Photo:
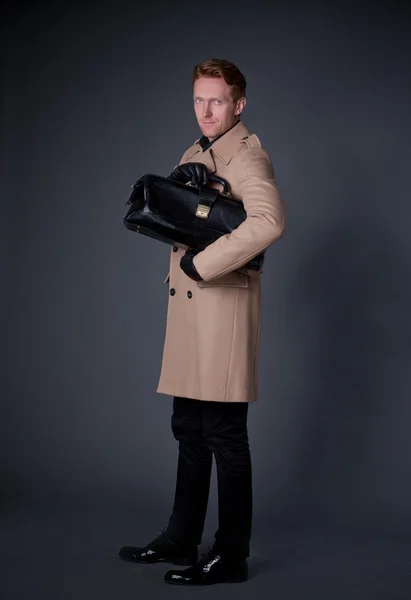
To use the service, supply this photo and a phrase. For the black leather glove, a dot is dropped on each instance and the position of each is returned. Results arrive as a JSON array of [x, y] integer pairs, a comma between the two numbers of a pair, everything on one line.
[[195, 172], [187, 265]]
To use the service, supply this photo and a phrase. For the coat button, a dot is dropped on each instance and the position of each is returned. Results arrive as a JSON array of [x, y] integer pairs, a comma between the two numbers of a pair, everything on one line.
[[189, 294], [172, 292], [175, 248]]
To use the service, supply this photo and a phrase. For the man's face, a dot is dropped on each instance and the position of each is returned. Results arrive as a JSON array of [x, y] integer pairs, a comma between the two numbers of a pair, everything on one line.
[[214, 106]]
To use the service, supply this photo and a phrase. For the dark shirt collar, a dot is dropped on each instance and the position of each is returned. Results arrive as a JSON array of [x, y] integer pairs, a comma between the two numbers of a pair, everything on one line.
[[205, 142]]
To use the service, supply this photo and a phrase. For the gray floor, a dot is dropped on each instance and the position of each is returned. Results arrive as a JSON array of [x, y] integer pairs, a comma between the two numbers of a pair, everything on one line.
[[73, 555]]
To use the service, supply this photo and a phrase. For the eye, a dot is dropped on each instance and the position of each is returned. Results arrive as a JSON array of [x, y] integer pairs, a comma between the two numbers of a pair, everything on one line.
[[218, 101], [198, 100]]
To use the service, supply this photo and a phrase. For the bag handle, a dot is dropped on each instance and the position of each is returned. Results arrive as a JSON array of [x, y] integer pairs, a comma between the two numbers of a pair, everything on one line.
[[223, 182], [207, 196]]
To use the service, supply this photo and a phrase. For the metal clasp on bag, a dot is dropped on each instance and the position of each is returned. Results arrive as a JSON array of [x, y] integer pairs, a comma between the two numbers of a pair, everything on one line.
[[202, 211]]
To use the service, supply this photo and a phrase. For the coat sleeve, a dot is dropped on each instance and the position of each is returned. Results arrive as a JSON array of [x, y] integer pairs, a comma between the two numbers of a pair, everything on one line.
[[264, 224]]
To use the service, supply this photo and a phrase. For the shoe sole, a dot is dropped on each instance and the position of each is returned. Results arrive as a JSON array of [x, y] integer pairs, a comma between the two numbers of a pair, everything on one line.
[[232, 580], [184, 562]]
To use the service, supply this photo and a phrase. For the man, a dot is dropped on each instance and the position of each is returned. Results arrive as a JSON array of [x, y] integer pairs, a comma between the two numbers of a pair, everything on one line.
[[212, 340]]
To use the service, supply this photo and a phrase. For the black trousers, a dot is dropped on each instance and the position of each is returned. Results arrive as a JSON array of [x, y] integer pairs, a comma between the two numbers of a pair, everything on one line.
[[204, 429]]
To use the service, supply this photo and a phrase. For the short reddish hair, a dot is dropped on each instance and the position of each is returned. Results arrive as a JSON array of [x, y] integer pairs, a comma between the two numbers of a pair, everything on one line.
[[218, 67]]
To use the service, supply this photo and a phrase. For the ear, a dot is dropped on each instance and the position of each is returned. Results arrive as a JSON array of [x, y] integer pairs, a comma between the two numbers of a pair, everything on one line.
[[240, 106]]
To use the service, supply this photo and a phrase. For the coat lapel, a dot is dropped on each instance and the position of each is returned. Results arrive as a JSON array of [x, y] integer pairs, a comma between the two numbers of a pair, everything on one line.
[[224, 148], [197, 155], [227, 145]]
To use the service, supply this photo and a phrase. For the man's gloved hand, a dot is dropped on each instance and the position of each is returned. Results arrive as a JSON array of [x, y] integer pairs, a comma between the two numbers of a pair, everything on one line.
[[187, 265], [195, 172]]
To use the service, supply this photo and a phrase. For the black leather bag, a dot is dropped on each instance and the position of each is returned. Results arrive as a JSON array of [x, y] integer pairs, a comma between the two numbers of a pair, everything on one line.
[[184, 215]]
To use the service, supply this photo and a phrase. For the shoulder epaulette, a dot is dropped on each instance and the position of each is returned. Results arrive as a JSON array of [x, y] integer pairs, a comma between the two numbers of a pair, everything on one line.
[[251, 140]]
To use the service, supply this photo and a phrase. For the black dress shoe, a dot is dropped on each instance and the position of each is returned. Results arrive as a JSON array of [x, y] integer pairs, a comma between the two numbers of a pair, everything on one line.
[[162, 548], [212, 568]]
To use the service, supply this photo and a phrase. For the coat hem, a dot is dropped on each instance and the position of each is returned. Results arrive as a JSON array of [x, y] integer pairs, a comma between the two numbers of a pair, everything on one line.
[[203, 398]]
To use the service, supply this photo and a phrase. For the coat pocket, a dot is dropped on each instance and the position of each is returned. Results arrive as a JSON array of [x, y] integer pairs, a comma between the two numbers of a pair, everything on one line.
[[233, 279]]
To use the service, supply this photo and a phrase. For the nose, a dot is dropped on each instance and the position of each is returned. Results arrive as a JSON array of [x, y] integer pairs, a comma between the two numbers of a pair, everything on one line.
[[207, 110]]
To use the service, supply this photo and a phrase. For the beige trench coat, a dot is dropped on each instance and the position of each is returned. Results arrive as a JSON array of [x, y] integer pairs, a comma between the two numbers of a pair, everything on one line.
[[213, 326]]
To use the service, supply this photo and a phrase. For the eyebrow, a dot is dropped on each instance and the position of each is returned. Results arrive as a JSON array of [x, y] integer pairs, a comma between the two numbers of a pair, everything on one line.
[[216, 98]]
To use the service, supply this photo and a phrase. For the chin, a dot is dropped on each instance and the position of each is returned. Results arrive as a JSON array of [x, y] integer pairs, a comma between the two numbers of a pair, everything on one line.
[[211, 133]]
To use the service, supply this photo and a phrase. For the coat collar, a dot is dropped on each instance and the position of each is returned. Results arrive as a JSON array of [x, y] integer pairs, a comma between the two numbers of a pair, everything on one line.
[[225, 147]]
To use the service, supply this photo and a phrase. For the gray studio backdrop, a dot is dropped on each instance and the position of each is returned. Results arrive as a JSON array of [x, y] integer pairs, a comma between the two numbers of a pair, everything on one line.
[[96, 96]]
